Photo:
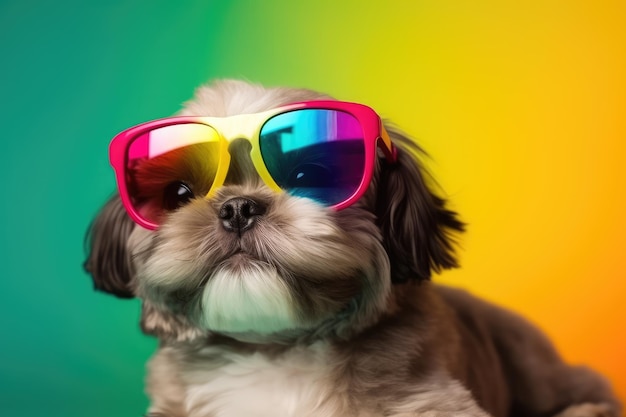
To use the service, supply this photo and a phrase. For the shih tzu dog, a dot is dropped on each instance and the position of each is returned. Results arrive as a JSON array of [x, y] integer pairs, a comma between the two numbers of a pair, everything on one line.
[[282, 243]]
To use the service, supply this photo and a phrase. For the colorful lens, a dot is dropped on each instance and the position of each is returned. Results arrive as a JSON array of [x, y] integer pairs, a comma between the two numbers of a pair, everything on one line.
[[315, 153], [167, 166]]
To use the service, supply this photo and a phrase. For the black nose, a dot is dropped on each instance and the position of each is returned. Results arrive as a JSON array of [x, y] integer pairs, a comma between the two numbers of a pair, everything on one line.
[[240, 214]]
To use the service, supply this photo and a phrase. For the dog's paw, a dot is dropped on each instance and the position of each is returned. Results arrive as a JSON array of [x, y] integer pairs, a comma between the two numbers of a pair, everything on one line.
[[589, 410]]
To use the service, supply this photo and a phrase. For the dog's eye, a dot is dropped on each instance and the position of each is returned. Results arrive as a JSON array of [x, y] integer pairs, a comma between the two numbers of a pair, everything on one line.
[[310, 175], [176, 194]]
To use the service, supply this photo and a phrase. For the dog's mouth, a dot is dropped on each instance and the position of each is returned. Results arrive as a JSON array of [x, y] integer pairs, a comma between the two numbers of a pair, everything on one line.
[[240, 247], [240, 255]]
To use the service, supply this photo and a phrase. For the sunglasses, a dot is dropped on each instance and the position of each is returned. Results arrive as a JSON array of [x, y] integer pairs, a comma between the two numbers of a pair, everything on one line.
[[321, 150]]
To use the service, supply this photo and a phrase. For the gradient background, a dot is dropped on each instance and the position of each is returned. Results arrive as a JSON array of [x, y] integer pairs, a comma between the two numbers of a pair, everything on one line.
[[522, 108]]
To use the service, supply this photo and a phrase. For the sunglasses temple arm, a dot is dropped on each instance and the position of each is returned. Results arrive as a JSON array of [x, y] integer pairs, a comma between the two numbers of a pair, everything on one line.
[[387, 146]]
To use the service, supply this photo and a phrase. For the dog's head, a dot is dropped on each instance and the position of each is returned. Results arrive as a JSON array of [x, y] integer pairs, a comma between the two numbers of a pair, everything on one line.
[[248, 261]]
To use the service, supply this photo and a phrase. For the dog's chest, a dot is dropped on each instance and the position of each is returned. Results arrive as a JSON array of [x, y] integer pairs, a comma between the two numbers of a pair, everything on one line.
[[302, 382]]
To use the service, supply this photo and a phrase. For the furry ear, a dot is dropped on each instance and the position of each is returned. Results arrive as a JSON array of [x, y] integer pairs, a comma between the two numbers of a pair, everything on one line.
[[417, 228], [108, 259]]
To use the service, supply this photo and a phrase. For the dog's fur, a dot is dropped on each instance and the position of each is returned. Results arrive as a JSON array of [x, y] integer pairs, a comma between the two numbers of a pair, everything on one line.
[[316, 312]]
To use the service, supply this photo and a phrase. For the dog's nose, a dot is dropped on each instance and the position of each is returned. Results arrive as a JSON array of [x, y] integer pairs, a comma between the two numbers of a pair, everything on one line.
[[240, 214]]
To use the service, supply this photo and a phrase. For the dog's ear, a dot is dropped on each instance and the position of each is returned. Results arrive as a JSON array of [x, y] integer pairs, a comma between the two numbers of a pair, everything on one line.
[[108, 259], [418, 230]]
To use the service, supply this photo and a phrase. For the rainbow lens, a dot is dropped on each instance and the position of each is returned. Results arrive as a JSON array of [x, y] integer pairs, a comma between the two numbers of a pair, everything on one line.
[[167, 166], [315, 153]]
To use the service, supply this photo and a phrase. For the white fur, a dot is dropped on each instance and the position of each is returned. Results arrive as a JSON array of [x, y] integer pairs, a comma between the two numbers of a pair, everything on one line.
[[232, 97], [439, 397], [245, 298], [297, 383], [302, 382]]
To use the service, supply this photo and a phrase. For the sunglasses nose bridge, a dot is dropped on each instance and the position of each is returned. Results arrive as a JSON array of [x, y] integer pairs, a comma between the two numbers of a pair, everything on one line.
[[239, 132], [238, 127]]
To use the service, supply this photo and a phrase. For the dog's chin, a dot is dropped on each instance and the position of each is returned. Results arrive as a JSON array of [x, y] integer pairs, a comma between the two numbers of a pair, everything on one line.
[[245, 296]]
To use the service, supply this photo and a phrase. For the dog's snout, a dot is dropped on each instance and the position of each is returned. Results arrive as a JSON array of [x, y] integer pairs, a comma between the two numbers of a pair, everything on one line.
[[240, 214]]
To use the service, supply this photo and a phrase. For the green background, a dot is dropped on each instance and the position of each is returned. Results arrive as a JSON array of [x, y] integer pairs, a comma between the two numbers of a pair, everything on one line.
[[74, 73], [520, 104]]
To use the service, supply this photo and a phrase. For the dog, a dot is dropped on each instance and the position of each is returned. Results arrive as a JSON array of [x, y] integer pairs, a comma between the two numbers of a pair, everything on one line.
[[276, 289]]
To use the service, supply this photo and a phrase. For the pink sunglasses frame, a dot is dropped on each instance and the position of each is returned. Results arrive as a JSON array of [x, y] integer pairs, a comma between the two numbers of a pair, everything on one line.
[[374, 135]]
